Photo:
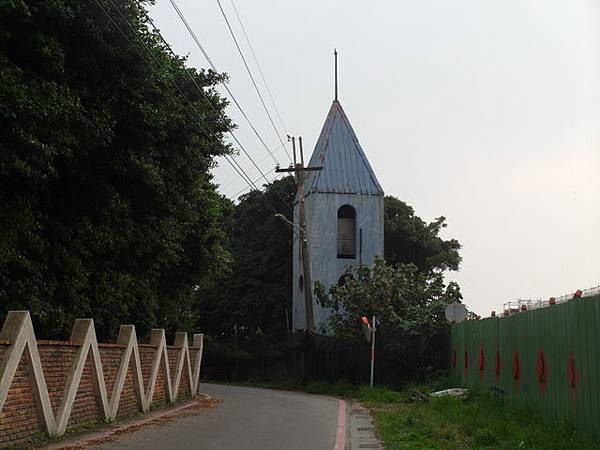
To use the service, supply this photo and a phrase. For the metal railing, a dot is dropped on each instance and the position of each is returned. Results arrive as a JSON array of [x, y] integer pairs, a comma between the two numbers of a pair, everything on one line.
[[522, 305]]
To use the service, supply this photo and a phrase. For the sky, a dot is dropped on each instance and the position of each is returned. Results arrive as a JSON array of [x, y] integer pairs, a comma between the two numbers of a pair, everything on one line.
[[487, 113]]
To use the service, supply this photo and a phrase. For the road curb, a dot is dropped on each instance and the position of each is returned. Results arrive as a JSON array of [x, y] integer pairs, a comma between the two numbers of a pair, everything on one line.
[[361, 429], [340, 438], [115, 430]]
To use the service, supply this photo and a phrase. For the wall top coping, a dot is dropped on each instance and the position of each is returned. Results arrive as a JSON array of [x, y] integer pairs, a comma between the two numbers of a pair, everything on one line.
[[51, 342]]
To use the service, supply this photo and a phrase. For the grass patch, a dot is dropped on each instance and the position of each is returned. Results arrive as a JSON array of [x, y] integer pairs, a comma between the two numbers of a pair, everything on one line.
[[477, 421]]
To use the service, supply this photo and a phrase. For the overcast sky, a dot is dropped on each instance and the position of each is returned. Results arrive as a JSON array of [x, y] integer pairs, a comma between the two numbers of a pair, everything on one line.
[[485, 112]]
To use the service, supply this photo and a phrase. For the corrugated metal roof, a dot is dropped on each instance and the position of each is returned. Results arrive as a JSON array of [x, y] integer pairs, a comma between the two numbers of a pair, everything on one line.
[[346, 168]]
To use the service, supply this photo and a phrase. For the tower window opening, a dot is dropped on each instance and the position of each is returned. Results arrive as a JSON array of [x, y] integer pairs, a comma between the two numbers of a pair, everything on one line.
[[346, 232]]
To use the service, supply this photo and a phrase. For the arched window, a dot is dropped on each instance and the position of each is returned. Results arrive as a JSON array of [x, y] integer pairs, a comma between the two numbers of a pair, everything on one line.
[[301, 283], [346, 232]]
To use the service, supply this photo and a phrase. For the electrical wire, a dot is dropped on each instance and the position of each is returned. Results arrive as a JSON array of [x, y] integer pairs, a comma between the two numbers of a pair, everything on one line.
[[243, 175], [260, 71], [251, 184], [262, 101], [157, 31], [232, 161], [212, 65], [230, 182], [246, 188]]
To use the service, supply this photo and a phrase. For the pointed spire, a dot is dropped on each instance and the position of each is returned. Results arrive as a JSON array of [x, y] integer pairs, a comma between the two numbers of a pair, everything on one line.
[[336, 83], [346, 169]]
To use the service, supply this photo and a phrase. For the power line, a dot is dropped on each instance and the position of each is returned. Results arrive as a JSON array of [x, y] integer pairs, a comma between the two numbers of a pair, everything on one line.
[[238, 169], [250, 75], [197, 41], [246, 188], [212, 65], [260, 71], [250, 183], [230, 160], [230, 182], [199, 88], [236, 179]]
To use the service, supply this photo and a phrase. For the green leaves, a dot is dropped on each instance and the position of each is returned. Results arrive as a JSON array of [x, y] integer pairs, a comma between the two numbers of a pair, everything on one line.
[[256, 293], [107, 208], [401, 297], [408, 239]]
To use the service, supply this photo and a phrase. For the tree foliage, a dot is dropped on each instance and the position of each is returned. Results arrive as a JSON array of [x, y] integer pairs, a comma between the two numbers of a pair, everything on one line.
[[255, 294], [410, 240], [107, 209], [400, 296]]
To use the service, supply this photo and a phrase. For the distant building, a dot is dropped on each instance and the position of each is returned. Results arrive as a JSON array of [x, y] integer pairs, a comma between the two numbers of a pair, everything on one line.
[[344, 212]]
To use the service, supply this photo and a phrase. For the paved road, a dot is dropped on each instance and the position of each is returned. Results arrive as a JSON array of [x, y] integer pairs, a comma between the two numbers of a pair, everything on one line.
[[248, 419]]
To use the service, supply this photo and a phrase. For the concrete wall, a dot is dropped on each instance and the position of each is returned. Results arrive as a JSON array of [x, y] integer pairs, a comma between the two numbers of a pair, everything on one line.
[[49, 386], [321, 217]]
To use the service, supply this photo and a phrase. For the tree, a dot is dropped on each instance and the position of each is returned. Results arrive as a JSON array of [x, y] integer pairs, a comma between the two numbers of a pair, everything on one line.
[[255, 294], [400, 296], [107, 209], [408, 304], [409, 239]]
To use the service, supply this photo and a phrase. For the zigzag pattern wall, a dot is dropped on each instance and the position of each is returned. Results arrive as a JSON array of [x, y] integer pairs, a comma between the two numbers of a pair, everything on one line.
[[52, 385]]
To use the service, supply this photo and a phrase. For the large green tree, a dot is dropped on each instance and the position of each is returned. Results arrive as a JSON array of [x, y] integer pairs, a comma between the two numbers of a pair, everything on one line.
[[107, 209], [409, 307], [255, 295], [408, 239], [400, 296]]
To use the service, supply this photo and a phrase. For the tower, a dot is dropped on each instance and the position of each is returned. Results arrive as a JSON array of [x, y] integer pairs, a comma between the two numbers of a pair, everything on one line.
[[344, 212]]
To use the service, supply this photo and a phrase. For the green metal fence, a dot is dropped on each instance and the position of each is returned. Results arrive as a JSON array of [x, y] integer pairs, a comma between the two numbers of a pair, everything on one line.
[[547, 358]]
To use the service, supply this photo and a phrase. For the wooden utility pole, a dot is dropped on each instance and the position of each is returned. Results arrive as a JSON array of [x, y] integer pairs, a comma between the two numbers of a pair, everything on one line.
[[298, 169]]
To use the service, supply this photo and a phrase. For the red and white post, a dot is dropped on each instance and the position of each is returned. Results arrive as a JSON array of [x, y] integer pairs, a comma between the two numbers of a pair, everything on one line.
[[372, 351]]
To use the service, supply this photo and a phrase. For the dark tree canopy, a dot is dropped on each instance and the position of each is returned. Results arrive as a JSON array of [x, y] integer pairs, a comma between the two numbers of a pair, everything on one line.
[[107, 209], [409, 239], [255, 294]]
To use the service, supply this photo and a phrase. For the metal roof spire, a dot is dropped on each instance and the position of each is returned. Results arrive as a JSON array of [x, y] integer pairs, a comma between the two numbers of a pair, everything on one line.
[[346, 169], [336, 84]]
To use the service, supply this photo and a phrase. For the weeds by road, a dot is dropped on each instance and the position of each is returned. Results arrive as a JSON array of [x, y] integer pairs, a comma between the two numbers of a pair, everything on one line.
[[475, 422]]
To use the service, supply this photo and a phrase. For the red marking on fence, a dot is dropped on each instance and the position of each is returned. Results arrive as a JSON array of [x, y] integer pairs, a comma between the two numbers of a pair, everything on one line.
[[481, 363], [498, 365], [541, 370], [466, 361], [573, 376], [453, 359], [516, 369]]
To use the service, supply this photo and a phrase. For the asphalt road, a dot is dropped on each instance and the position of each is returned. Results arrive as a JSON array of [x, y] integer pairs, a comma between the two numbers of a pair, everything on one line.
[[248, 419]]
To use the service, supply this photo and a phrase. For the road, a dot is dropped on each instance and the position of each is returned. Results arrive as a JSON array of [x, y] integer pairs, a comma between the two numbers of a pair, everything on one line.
[[248, 419]]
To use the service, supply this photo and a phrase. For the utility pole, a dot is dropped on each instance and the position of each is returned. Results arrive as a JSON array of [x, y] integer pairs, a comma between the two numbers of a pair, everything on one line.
[[298, 169]]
